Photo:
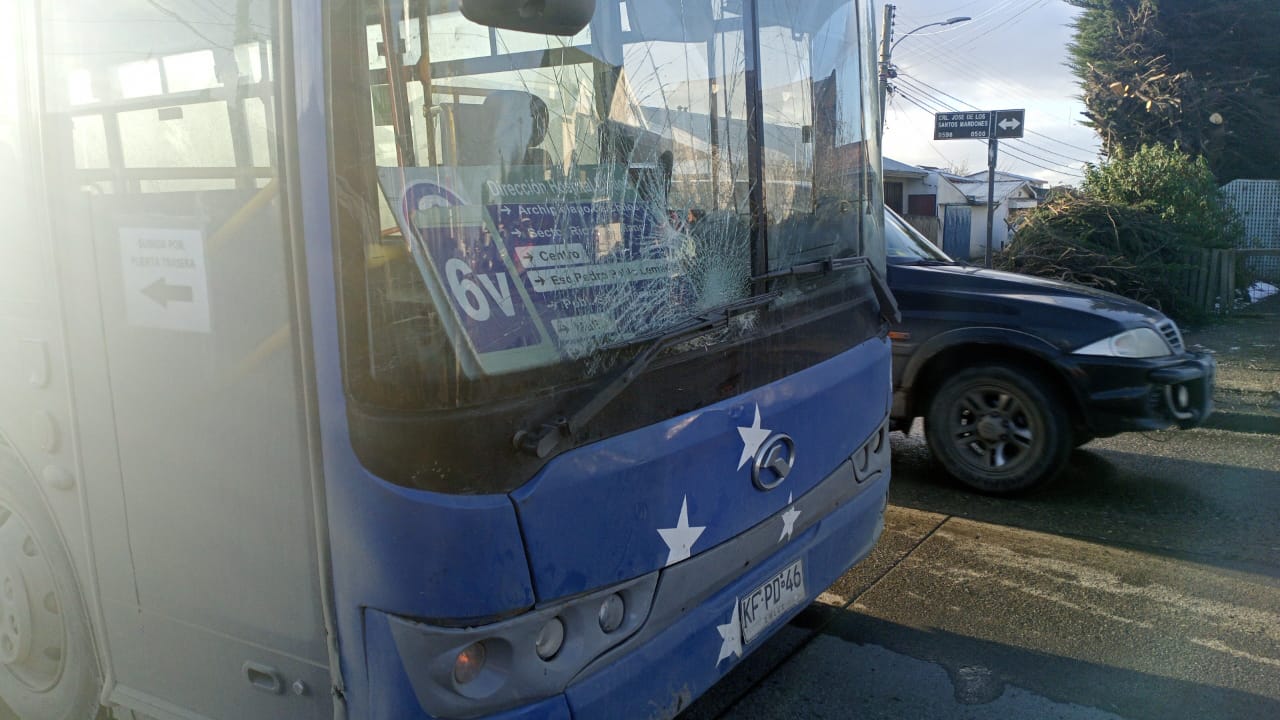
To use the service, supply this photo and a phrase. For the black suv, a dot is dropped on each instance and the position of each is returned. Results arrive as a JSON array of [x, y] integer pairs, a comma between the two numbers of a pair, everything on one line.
[[1010, 372]]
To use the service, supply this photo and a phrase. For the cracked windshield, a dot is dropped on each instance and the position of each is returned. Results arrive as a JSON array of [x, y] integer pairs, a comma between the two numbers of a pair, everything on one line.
[[569, 195], [613, 359]]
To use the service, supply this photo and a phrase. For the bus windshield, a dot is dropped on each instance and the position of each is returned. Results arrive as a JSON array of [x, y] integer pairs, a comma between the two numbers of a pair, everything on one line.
[[518, 211]]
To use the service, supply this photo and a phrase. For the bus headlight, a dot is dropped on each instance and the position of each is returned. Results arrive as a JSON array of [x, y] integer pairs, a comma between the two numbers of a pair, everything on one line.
[[479, 669], [550, 639], [469, 663], [612, 612]]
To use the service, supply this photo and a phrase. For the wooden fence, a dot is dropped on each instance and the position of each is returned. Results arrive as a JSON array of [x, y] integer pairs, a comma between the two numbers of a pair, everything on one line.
[[1211, 279]]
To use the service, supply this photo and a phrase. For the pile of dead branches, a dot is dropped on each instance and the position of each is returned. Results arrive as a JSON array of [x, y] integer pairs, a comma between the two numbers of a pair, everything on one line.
[[1123, 249]]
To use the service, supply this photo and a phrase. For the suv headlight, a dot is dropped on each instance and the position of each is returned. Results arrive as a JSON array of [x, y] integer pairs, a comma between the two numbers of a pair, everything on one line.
[[1135, 343]]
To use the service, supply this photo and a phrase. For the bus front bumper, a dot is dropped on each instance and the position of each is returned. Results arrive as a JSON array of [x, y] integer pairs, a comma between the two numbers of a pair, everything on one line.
[[687, 625], [692, 649]]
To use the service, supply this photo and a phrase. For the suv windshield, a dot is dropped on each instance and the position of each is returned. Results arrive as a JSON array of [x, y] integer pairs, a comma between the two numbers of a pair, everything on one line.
[[904, 245]]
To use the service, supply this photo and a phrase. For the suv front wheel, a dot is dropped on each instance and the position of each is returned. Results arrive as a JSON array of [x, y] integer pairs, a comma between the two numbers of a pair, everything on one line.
[[998, 429]]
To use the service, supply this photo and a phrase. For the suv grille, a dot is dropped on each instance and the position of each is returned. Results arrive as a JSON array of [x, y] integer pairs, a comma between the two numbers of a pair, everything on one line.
[[1169, 330]]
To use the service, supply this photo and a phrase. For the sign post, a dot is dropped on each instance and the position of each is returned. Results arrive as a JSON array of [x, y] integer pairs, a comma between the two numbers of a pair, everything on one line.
[[989, 125]]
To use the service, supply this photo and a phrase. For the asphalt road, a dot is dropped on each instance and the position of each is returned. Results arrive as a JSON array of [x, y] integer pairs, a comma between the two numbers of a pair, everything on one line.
[[1145, 583]]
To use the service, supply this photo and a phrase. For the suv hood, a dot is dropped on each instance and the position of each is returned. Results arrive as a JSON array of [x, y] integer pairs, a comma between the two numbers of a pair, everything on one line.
[[1065, 314], [965, 279]]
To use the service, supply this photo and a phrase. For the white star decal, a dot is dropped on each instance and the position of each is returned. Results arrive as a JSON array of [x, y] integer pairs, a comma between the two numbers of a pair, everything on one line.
[[731, 636], [752, 438], [680, 539], [789, 521]]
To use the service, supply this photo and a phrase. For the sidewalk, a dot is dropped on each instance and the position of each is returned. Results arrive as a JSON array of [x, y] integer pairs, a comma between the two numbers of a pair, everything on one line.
[[1247, 348]]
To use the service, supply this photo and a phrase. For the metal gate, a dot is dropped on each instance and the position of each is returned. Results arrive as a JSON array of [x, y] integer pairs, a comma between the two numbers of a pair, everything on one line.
[[956, 231], [1258, 203]]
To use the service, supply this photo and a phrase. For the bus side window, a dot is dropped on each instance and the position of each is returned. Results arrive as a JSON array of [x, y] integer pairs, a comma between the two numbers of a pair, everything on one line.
[[507, 129], [463, 133], [519, 125]]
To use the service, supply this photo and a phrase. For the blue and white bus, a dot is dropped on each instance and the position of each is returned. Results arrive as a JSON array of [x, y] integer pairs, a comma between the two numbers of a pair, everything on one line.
[[430, 358]]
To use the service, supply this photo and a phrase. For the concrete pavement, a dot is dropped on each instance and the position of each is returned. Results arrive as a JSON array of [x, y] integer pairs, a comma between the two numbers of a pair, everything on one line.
[[1247, 349]]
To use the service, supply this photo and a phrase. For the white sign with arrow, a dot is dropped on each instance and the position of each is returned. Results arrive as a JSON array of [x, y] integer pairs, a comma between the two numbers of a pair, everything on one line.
[[164, 278]]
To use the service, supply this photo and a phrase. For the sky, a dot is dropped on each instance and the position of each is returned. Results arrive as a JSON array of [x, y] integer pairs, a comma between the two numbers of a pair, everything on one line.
[[1011, 55]]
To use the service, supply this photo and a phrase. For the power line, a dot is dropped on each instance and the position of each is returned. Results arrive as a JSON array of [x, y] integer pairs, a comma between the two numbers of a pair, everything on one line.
[[1023, 155], [974, 21], [934, 50], [898, 112], [914, 85], [1012, 19], [974, 107], [947, 107], [1016, 151], [992, 17], [1001, 15], [1013, 90]]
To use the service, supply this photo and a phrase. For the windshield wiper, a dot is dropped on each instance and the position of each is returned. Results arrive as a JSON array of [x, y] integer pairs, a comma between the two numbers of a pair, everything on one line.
[[545, 439], [888, 304]]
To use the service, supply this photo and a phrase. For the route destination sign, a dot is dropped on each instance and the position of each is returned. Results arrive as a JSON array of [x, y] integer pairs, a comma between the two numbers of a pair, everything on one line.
[[978, 125]]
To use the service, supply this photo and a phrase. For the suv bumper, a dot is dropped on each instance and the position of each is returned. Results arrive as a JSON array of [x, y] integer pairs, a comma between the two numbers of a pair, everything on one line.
[[1120, 395]]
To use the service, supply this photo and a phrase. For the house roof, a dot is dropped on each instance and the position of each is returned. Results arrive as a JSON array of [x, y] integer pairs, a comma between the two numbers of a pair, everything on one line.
[[1002, 175], [893, 167], [975, 191]]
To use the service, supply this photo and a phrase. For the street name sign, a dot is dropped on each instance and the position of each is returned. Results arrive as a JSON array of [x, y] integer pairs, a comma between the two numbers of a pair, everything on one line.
[[978, 125]]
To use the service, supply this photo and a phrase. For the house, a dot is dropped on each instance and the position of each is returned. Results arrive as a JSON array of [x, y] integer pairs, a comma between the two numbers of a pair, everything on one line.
[[909, 190], [962, 206], [912, 192], [951, 209]]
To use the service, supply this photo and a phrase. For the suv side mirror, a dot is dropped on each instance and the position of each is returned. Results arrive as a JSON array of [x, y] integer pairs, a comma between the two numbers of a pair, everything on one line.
[[544, 17]]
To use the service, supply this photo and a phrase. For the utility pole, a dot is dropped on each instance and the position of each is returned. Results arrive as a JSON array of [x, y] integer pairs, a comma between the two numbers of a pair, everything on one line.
[[993, 151], [886, 48]]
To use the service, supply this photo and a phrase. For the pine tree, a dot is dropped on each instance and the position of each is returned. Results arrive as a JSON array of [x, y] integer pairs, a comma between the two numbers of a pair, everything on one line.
[[1201, 74]]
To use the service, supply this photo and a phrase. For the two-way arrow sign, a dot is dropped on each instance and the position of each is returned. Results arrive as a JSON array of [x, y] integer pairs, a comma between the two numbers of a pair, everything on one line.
[[1009, 123]]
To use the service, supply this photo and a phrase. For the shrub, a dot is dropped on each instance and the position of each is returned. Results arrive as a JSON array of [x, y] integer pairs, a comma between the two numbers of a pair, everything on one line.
[[1135, 228]]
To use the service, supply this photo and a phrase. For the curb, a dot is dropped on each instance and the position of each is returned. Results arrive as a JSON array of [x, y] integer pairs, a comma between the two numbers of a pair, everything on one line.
[[1243, 422]]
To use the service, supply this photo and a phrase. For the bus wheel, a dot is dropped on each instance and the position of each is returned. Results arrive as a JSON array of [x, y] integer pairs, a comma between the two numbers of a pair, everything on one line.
[[48, 670]]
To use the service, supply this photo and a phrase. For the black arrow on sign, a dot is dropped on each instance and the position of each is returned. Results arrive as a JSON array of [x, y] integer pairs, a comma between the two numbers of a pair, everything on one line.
[[164, 293]]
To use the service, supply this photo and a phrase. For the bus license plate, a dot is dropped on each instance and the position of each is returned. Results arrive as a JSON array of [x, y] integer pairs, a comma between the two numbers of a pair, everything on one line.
[[771, 600]]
